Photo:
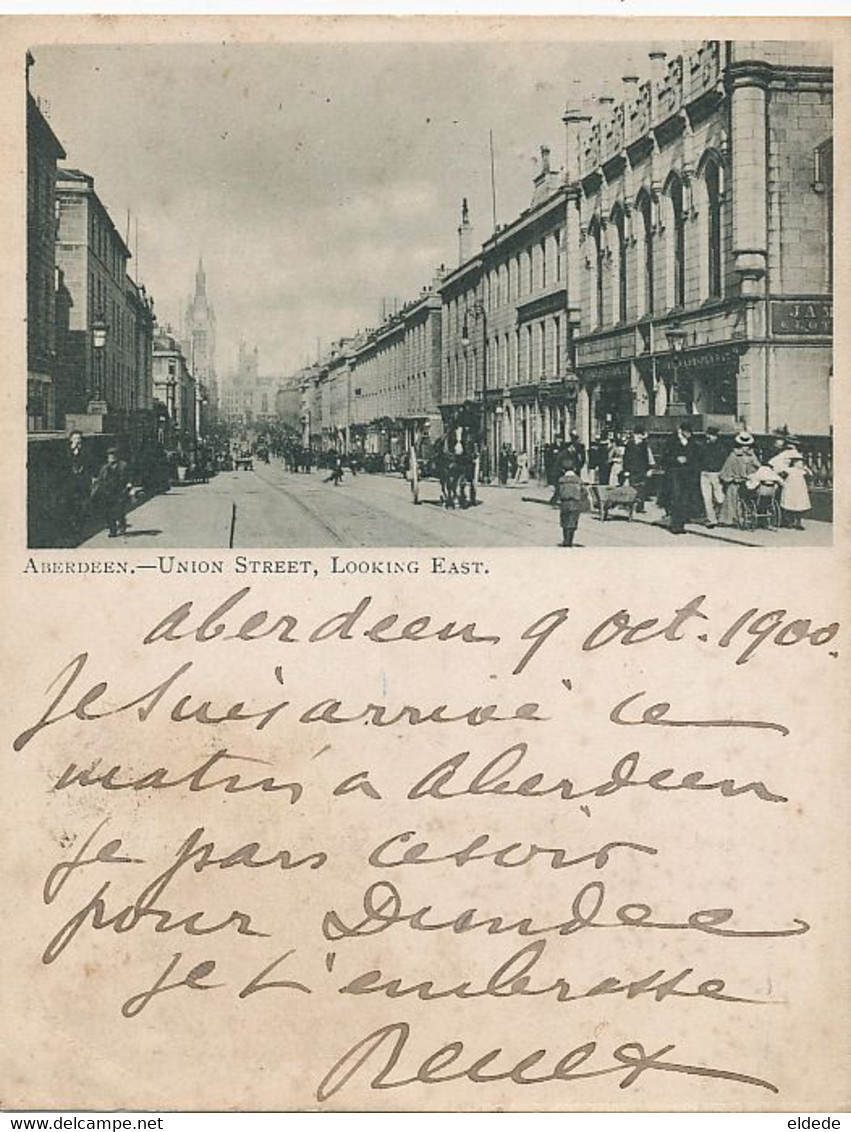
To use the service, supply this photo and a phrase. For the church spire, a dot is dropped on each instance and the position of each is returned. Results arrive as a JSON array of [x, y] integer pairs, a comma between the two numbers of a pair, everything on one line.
[[200, 280]]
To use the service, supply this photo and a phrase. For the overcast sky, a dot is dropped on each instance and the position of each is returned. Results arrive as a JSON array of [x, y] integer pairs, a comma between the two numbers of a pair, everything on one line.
[[315, 180]]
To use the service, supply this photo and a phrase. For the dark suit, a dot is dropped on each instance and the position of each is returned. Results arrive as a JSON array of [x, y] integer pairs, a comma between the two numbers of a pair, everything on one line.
[[682, 469], [110, 491]]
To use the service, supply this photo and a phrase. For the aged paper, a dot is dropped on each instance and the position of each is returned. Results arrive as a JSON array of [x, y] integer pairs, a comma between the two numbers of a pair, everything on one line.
[[513, 828]]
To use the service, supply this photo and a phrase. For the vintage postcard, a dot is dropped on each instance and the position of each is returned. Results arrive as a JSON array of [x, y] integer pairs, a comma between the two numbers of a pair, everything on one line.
[[424, 569]]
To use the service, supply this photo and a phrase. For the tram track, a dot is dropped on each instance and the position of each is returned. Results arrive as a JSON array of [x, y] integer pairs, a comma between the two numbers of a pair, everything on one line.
[[370, 508]]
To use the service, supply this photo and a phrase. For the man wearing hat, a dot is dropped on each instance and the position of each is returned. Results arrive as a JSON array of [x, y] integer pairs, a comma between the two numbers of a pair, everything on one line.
[[682, 478], [111, 490], [711, 460]]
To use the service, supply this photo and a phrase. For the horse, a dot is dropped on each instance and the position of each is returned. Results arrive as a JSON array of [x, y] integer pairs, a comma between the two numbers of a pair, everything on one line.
[[455, 466]]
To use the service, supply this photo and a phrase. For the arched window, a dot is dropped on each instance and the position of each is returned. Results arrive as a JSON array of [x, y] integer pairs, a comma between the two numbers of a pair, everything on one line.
[[596, 234], [619, 222], [645, 209], [678, 260], [712, 182]]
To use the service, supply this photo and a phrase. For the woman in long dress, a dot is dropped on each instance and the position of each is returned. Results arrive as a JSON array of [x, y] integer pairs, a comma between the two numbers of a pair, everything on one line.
[[738, 467], [795, 496]]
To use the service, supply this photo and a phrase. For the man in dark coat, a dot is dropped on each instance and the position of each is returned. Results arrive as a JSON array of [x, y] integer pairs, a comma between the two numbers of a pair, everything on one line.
[[637, 462], [80, 475], [682, 467], [111, 491]]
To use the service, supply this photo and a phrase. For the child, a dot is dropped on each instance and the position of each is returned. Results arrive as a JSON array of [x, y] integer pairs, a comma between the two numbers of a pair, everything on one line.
[[795, 497], [572, 498]]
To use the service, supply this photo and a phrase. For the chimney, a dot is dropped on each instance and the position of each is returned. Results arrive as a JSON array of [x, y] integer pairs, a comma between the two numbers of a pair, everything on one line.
[[657, 63], [575, 120], [465, 234]]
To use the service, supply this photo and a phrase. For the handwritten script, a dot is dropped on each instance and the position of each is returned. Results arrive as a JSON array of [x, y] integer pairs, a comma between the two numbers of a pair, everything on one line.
[[474, 854]]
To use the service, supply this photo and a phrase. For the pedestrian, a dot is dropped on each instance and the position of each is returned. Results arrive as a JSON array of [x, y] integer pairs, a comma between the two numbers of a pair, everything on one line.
[[614, 459], [572, 498], [598, 468], [638, 459], [682, 478], [512, 463], [111, 491], [79, 480], [781, 445], [336, 465], [577, 448], [736, 469], [711, 459], [522, 476], [502, 465], [795, 495]]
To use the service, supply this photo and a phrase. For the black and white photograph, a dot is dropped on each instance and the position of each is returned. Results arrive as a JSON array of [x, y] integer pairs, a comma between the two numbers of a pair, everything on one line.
[[430, 294]]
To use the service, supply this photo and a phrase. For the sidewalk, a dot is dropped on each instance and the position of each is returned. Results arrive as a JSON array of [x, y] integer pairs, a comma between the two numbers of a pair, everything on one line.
[[815, 533]]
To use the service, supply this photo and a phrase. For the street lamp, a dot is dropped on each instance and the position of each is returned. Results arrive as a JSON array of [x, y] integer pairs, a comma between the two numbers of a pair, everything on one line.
[[99, 329], [477, 309], [677, 339]]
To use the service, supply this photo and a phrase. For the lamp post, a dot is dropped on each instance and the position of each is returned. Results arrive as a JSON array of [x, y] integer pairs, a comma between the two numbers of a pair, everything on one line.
[[99, 331], [677, 338], [477, 309]]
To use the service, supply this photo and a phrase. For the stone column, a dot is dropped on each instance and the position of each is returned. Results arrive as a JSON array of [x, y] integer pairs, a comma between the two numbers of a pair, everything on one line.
[[749, 179]]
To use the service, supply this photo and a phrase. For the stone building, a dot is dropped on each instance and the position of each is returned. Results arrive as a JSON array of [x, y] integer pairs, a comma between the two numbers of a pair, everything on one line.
[[288, 404], [105, 374], [506, 355], [247, 398], [43, 151], [379, 391], [699, 228], [176, 394], [199, 340]]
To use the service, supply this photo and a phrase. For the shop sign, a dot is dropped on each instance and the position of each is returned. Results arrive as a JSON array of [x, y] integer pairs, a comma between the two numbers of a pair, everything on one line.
[[812, 317]]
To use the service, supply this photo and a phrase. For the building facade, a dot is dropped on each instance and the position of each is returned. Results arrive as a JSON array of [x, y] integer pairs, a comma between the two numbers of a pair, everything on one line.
[[247, 399], [43, 151], [176, 395], [530, 388], [379, 391], [105, 372], [700, 220], [680, 265]]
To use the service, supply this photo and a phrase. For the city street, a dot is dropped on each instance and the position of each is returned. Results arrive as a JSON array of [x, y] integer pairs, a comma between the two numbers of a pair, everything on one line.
[[276, 508]]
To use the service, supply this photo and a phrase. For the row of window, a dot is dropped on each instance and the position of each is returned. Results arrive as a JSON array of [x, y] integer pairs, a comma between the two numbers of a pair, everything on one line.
[[534, 269], [103, 243], [658, 228], [121, 325]]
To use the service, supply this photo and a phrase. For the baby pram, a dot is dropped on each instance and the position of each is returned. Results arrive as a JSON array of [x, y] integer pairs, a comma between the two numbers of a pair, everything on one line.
[[759, 506]]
